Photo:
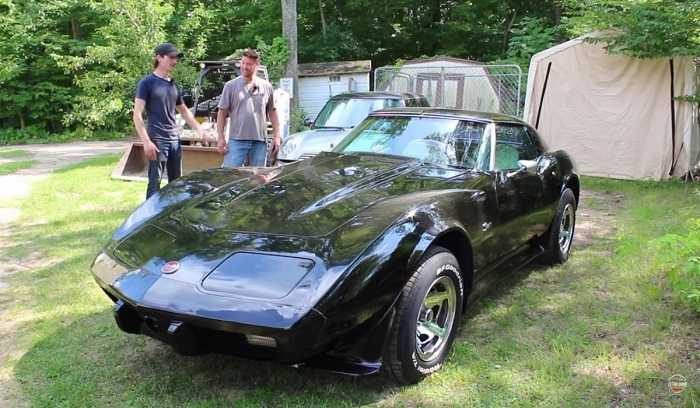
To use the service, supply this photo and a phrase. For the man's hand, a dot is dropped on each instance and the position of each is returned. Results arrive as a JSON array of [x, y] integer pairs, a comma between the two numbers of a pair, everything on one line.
[[275, 148], [150, 150], [203, 136], [221, 146]]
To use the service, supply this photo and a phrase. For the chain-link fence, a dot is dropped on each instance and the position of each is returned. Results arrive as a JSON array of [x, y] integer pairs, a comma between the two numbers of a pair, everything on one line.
[[486, 88]]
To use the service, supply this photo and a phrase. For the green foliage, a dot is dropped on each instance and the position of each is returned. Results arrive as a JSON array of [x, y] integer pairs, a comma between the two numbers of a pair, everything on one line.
[[338, 44], [11, 136], [69, 64], [695, 99], [108, 71], [530, 36], [680, 256], [34, 90], [296, 121], [275, 56], [35, 134], [642, 28]]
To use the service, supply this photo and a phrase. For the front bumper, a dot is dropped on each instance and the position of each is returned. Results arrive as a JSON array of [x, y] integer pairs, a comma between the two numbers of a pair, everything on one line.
[[194, 322]]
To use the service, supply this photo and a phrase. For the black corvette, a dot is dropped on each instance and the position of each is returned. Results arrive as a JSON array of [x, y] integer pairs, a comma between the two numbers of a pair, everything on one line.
[[355, 260]]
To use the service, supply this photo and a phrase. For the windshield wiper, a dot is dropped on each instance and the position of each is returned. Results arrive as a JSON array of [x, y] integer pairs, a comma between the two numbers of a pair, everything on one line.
[[330, 127]]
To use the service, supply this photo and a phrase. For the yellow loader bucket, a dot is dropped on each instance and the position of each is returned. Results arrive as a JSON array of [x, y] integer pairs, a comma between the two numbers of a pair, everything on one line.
[[134, 166]]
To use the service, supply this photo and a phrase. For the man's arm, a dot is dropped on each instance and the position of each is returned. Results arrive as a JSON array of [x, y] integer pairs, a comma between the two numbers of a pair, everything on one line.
[[272, 114], [190, 120], [149, 148], [275, 132], [221, 116]]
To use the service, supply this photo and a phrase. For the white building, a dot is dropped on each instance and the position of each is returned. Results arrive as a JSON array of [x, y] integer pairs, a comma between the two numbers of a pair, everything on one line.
[[319, 81]]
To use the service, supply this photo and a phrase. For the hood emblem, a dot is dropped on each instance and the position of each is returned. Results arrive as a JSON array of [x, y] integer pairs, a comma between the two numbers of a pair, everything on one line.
[[170, 267]]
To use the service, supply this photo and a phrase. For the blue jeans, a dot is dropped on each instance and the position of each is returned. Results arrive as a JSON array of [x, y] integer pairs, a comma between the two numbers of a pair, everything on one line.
[[170, 158], [239, 150]]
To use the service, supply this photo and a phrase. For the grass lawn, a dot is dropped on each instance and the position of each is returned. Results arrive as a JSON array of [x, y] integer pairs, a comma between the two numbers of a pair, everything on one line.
[[601, 330], [13, 153], [13, 166]]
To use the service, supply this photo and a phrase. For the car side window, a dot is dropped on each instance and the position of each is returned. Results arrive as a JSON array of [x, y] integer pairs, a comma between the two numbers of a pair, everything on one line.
[[513, 143], [469, 138], [535, 140]]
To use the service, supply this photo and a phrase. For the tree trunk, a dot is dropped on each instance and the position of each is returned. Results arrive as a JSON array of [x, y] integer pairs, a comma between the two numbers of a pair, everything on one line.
[[435, 26], [556, 12], [289, 30], [22, 124], [74, 30], [323, 19], [509, 26], [339, 7]]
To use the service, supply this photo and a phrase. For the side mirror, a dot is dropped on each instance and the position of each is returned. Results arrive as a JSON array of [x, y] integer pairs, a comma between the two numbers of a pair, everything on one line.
[[308, 123], [528, 166], [524, 166]]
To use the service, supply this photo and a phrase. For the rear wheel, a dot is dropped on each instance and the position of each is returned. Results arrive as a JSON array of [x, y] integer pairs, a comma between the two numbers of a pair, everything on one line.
[[427, 317], [561, 232]]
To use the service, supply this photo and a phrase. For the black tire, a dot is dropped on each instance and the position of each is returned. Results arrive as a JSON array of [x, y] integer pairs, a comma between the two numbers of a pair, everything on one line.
[[437, 271], [555, 252]]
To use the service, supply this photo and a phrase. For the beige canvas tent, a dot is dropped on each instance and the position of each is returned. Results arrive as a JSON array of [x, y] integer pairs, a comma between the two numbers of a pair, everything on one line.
[[615, 114]]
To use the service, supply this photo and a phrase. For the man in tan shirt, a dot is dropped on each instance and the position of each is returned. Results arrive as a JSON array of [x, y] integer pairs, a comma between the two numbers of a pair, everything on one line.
[[247, 100]]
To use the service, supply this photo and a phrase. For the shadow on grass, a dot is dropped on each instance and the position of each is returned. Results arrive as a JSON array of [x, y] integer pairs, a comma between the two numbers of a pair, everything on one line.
[[98, 363], [95, 163], [88, 361]]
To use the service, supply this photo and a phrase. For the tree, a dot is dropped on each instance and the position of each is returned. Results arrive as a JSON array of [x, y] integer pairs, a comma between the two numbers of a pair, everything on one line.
[[72, 63], [108, 71], [642, 28], [34, 90]]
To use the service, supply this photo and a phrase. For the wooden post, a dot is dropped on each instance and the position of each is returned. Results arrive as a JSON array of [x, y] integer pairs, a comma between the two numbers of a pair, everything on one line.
[[289, 30]]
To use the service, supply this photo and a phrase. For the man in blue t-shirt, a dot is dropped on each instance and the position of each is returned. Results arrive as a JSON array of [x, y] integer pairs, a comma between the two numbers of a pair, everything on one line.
[[159, 97]]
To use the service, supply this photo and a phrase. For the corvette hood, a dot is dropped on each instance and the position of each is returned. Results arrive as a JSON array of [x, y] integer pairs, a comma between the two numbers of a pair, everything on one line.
[[306, 199], [280, 237]]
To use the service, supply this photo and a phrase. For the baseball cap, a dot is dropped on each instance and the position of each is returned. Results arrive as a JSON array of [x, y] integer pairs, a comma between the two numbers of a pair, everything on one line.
[[167, 49]]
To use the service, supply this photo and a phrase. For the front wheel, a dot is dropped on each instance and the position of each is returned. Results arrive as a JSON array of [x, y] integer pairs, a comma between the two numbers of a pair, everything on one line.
[[426, 319], [561, 232]]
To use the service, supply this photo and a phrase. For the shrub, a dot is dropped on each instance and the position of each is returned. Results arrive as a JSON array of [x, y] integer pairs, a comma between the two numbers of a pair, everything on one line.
[[11, 136], [36, 134], [680, 257], [296, 121]]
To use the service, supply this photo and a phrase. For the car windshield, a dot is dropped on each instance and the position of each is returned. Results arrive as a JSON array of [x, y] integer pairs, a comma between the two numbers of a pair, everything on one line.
[[435, 140], [348, 112]]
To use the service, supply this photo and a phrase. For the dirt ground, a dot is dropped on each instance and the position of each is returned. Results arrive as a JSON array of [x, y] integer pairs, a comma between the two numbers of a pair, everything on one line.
[[594, 222], [48, 157]]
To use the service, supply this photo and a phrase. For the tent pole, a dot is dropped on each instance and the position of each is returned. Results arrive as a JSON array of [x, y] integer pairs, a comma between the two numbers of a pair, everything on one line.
[[673, 123], [544, 88]]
